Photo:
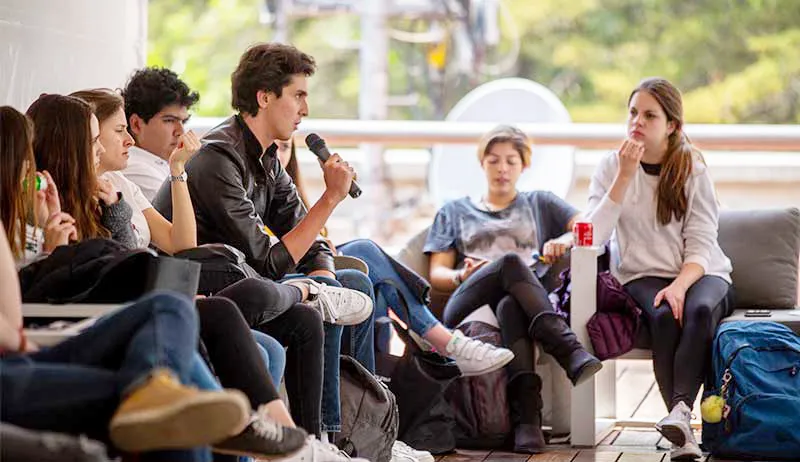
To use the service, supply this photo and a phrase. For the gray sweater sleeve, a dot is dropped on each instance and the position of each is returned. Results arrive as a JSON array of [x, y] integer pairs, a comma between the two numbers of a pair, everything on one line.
[[117, 219]]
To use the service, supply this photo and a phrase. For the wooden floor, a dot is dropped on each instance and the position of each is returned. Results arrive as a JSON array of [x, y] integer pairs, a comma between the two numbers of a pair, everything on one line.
[[637, 399]]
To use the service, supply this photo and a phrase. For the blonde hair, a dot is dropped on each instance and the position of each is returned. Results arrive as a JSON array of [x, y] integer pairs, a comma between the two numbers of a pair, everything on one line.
[[506, 134]]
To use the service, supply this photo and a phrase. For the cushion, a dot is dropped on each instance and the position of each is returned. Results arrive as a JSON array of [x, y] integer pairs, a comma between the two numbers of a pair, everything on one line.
[[412, 256], [763, 246]]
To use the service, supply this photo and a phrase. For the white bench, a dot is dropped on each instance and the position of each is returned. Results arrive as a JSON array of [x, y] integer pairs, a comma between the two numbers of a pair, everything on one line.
[[763, 246]]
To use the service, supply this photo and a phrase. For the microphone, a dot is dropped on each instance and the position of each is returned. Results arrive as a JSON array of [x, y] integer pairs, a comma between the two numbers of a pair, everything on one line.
[[320, 149]]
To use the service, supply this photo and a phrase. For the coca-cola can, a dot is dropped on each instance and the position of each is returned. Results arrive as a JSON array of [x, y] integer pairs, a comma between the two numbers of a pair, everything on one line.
[[583, 233]]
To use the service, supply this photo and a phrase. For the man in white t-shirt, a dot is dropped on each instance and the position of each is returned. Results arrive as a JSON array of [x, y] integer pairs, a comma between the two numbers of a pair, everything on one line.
[[157, 105]]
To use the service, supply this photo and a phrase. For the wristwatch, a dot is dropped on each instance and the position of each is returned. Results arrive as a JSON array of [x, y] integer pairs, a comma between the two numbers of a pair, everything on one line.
[[182, 177]]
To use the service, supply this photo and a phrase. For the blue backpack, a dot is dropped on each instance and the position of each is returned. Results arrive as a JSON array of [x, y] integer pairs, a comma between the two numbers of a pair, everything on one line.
[[755, 370]]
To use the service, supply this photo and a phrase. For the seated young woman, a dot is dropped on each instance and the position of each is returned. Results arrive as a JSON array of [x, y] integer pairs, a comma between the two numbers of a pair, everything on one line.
[[482, 249], [653, 200]]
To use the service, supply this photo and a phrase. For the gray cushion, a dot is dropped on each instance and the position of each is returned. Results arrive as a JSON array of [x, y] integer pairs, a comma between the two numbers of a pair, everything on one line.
[[763, 246], [412, 256]]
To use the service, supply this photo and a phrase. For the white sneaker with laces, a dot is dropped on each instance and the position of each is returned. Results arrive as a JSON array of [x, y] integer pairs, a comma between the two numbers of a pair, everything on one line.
[[316, 451], [677, 426], [474, 357], [338, 305], [401, 449]]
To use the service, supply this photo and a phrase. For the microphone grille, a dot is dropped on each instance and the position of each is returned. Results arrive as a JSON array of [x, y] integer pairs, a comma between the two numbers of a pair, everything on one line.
[[313, 141]]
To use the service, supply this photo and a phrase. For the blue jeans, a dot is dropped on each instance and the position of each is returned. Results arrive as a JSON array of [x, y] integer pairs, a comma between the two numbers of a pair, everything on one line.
[[419, 319], [76, 386], [274, 355], [359, 342]]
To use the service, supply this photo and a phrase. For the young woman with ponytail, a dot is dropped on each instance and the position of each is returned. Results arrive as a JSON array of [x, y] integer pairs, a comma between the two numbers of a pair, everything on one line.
[[654, 200]]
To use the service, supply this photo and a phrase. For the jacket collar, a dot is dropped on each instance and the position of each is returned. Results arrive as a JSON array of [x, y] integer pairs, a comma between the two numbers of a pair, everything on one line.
[[252, 146]]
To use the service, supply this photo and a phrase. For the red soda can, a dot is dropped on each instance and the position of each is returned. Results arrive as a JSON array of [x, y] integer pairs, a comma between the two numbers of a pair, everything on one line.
[[583, 233]]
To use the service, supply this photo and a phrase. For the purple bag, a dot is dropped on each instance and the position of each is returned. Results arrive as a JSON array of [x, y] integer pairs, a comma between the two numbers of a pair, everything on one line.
[[613, 327]]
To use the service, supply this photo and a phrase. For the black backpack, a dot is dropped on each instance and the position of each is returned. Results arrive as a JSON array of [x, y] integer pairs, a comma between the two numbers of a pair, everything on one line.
[[370, 418]]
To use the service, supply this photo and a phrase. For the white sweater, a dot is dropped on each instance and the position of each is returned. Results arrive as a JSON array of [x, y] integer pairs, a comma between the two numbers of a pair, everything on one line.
[[640, 245]]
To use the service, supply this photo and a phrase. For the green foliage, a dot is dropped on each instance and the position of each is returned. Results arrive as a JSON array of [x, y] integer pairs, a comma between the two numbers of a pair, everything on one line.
[[737, 61]]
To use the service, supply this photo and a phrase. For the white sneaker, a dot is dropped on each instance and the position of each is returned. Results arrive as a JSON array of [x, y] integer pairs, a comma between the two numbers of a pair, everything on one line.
[[338, 305], [474, 357], [316, 451], [402, 452], [689, 451], [677, 426]]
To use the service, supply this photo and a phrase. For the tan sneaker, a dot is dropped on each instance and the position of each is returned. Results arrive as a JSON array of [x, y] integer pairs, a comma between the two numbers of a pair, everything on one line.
[[164, 414]]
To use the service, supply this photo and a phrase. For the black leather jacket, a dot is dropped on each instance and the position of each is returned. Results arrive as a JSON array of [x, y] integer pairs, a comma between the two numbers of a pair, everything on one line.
[[237, 190]]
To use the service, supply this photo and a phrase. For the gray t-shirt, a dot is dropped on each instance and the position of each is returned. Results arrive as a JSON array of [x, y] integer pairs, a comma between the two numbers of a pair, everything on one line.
[[532, 219]]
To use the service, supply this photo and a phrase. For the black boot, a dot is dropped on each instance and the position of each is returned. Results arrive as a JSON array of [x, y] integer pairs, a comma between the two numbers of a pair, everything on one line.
[[525, 397], [558, 340]]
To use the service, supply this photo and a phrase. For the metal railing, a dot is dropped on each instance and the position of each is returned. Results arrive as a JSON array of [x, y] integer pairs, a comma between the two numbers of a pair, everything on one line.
[[406, 133]]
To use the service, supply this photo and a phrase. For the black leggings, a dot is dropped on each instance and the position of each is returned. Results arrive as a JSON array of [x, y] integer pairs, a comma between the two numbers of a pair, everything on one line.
[[299, 328], [517, 297], [681, 356], [233, 352]]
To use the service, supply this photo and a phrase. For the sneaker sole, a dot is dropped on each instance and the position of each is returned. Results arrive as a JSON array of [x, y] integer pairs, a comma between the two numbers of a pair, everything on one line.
[[685, 457], [492, 368], [674, 433], [588, 372], [201, 421]]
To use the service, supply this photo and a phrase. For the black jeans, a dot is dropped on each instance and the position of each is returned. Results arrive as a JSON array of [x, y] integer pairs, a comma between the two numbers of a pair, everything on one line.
[[517, 297], [681, 356], [233, 352], [299, 328]]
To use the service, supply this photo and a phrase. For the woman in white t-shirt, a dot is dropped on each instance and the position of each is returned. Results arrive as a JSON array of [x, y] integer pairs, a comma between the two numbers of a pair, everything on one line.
[[149, 225]]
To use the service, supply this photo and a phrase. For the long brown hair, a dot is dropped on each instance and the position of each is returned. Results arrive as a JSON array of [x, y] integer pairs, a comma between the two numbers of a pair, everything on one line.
[[104, 101], [681, 154], [19, 168], [293, 169], [63, 145]]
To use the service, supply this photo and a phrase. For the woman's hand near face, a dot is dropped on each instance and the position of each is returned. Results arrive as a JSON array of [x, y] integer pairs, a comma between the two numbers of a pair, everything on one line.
[[46, 202], [630, 155], [106, 192]]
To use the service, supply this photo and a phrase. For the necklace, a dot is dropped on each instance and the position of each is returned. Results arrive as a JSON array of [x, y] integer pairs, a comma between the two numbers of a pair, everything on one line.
[[491, 208]]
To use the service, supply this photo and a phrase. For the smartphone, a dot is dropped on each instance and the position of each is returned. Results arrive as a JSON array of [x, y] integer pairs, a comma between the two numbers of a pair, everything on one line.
[[758, 313]]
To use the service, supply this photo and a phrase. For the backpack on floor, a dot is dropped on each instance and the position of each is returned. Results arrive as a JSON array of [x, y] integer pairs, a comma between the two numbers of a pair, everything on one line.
[[480, 403], [756, 370], [370, 418]]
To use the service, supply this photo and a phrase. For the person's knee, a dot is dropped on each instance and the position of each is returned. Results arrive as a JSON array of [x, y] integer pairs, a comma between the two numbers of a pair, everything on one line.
[[354, 279], [699, 314], [663, 319], [171, 302], [512, 263], [360, 247]]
